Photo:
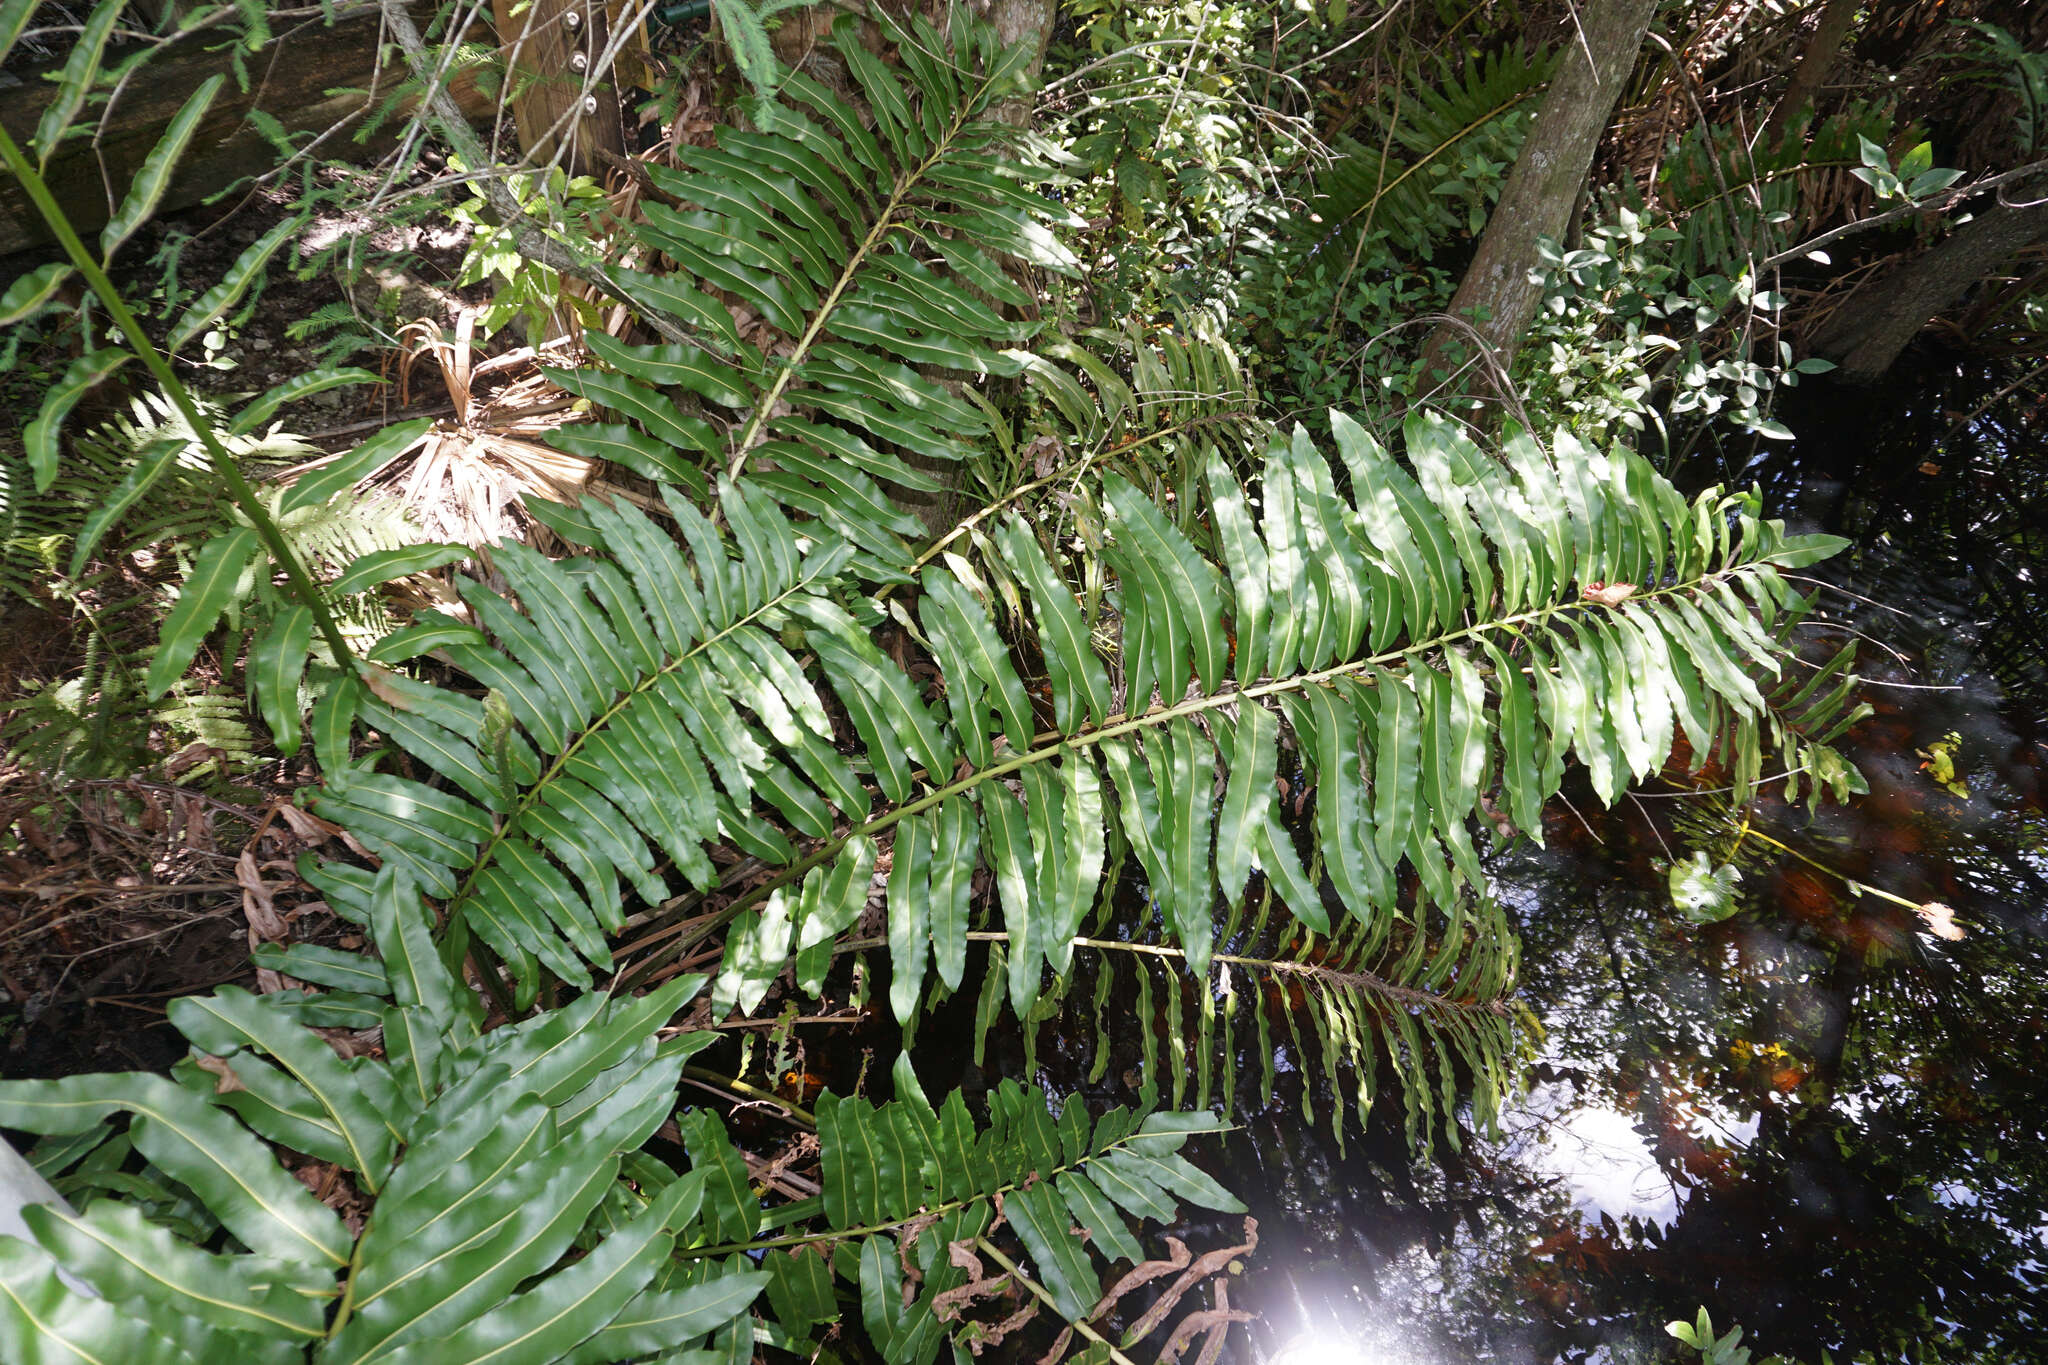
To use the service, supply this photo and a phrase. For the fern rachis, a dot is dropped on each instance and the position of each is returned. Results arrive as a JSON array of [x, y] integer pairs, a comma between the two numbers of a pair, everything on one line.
[[1408, 640]]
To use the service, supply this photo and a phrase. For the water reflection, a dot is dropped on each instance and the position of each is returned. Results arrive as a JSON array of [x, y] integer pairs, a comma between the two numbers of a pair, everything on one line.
[[1818, 1118]]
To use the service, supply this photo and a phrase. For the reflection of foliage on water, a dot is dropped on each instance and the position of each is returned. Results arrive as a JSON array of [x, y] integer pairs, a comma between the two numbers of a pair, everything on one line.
[[1955, 474], [1815, 1117]]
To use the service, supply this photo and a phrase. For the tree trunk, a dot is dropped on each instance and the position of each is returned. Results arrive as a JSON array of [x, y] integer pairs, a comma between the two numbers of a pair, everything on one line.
[[1815, 61], [1869, 331], [1020, 21], [1537, 200]]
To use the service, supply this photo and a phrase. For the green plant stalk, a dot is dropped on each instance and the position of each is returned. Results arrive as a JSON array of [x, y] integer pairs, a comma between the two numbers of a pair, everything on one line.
[[1858, 887], [266, 527], [982, 1244], [719, 1080]]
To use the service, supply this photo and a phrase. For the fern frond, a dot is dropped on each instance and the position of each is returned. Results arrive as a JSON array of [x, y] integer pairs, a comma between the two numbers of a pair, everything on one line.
[[511, 1203], [212, 725], [1732, 203], [1394, 177], [1427, 638], [34, 529], [1425, 1001], [92, 724], [860, 257]]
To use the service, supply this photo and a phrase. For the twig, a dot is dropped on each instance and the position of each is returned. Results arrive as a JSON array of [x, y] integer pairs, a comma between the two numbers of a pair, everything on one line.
[[1948, 201], [533, 243]]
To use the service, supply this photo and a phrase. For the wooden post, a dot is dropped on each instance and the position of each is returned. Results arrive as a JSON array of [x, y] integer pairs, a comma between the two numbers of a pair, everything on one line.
[[550, 47]]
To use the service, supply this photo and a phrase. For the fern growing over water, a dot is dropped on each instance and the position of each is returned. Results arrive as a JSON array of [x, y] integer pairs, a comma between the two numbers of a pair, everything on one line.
[[1425, 1004], [1414, 640], [723, 739]]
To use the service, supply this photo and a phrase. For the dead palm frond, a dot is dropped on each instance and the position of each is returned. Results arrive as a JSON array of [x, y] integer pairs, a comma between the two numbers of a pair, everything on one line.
[[468, 476]]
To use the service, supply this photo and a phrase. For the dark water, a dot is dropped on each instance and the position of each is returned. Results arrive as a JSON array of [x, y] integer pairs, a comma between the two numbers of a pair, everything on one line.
[[1817, 1119]]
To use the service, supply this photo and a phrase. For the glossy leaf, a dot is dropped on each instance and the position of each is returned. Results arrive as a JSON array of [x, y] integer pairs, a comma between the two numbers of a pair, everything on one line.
[[147, 189], [206, 593]]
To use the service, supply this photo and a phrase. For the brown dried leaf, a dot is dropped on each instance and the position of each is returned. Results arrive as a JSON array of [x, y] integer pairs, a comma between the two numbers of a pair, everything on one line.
[[1214, 1321], [1144, 1272], [377, 676], [265, 924], [225, 1082], [1608, 594], [307, 825], [1209, 1263]]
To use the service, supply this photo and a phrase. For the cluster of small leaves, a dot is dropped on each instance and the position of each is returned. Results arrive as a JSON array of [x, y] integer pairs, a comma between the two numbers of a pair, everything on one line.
[[1625, 336], [1732, 203], [1166, 113]]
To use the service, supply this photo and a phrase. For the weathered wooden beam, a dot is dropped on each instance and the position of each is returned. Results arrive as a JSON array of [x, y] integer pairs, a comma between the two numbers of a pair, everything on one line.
[[297, 80], [550, 46]]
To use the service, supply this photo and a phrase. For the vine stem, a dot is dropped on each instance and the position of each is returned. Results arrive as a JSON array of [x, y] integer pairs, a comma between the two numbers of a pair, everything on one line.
[[266, 527]]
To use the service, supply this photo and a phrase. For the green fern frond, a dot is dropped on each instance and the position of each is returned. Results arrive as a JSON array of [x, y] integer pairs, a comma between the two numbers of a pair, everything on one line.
[[511, 1203], [1394, 177], [1733, 203], [34, 530], [92, 724], [1453, 626], [1426, 1002], [138, 488], [211, 724], [862, 257]]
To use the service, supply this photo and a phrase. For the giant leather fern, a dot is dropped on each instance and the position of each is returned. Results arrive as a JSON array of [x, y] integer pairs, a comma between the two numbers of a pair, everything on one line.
[[1421, 635], [860, 255], [1394, 179], [509, 1211]]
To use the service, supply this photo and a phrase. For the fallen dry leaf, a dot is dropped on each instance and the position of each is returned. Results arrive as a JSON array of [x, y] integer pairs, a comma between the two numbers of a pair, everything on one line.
[[1608, 594], [226, 1082]]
